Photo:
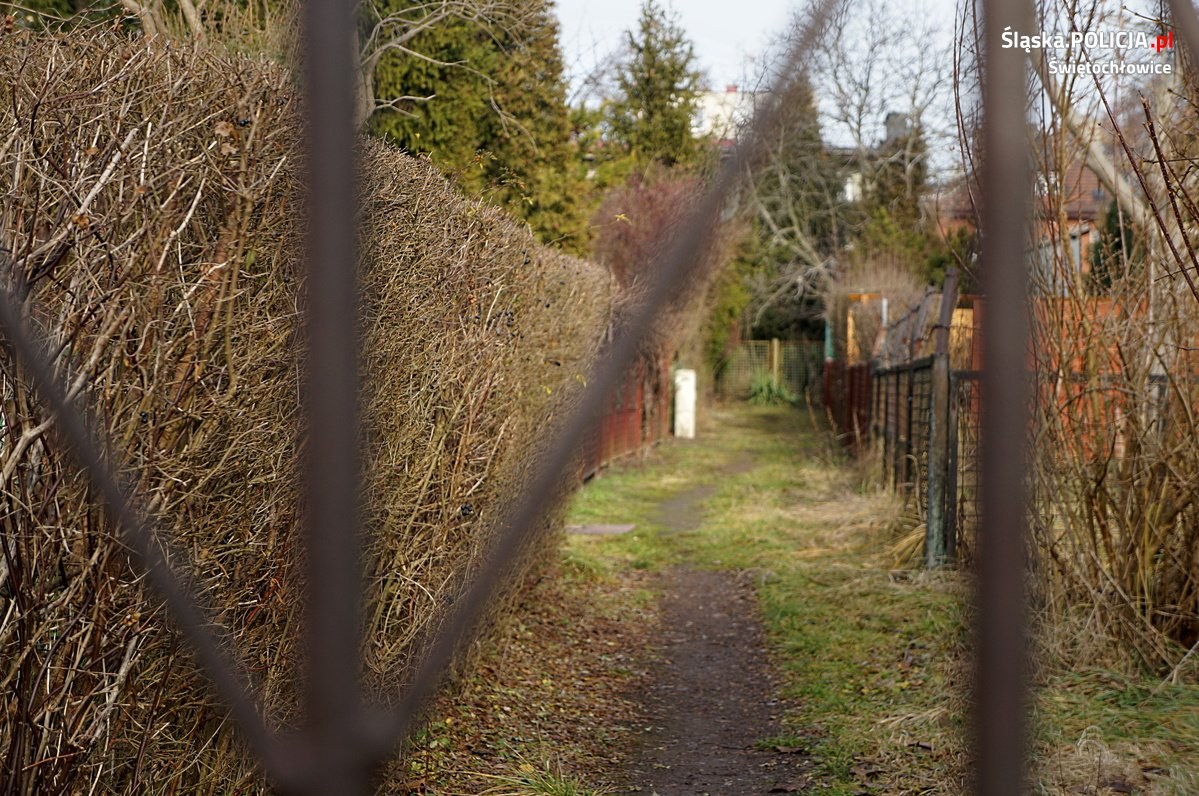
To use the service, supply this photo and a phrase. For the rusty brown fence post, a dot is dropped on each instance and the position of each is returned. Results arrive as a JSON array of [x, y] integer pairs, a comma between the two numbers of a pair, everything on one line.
[[1001, 694]]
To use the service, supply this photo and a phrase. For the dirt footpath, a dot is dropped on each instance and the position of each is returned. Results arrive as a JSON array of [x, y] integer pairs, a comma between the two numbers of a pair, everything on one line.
[[710, 698]]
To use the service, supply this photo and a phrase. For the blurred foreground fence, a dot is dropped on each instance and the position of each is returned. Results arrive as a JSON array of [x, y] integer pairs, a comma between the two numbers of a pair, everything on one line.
[[343, 739]]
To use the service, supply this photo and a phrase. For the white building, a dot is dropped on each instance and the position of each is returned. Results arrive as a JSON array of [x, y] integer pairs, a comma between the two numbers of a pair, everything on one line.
[[721, 114]]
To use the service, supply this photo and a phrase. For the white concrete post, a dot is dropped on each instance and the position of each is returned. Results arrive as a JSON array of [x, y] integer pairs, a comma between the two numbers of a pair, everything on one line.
[[684, 404]]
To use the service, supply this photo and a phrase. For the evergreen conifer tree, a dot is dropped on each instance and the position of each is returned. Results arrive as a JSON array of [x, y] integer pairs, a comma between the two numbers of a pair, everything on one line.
[[490, 107], [658, 91]]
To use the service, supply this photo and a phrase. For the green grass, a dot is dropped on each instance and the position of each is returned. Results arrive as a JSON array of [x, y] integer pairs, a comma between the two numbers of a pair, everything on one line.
[[766, 390], [872, 657], [531, 780], [856, 645], [1129, 729]]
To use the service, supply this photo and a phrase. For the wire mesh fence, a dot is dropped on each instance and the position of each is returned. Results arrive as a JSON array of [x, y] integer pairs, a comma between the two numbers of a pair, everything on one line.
[[794, 364], [902, 414], [962, 495], [903, 396]]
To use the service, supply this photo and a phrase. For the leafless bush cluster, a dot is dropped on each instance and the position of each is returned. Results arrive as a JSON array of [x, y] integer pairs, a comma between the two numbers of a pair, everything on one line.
[[151, 224], [1117, 516], [1115, 325], [855, 296], [635, 224], [1117, 461]]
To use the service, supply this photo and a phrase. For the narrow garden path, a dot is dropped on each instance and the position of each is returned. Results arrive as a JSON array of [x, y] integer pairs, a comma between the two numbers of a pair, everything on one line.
[[711, 697], [760, 630], [783, 636], [712, 694]]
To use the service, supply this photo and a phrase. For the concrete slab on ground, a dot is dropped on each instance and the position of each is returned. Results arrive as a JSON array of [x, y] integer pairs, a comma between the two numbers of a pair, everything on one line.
[[598, 530]]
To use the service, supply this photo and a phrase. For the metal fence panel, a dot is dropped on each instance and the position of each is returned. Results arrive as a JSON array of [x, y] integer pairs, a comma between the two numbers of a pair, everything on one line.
[[747, 359], [795, 363]]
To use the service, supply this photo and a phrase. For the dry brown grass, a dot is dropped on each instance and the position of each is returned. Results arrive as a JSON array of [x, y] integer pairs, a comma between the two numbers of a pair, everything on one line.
[[152, 222]]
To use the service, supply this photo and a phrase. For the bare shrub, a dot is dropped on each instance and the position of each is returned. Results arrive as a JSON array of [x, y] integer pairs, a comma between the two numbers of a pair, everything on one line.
[[1115, 520], [1114, 456], [151, 225], [634, 225], [855, 296]]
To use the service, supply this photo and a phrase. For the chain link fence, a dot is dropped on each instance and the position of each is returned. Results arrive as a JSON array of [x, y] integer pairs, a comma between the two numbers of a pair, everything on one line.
[[794, 364], [903, 411]]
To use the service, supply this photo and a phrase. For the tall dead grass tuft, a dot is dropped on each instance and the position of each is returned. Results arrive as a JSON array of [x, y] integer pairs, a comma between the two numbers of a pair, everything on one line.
[[151, 225]]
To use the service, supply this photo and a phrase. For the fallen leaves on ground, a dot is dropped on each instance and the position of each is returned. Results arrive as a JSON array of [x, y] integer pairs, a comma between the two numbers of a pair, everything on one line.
[[550, 690]]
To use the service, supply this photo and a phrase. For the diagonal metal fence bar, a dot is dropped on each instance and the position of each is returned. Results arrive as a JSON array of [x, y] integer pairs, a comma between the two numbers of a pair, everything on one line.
[[1186, 21], [148, 549], [1001, 692], [670, 274]]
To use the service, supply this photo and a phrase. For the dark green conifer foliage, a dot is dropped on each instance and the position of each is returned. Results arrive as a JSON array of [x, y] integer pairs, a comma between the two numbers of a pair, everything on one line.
[[442, 100], [59, 9], [659, 87], [497, 118], [1113, 252], [531, 155], [901, 177]]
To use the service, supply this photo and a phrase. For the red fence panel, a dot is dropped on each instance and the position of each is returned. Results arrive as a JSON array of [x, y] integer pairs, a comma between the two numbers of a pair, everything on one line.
[[847, 394], [638, 415]]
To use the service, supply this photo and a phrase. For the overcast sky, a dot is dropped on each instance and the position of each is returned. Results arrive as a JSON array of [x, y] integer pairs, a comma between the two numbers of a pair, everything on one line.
[[723, 41], [726, 34]]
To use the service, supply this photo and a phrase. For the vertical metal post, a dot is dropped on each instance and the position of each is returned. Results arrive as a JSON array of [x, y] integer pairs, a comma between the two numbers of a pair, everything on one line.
[[1001, 649], [885, 389], [895, 449], [936, 551], [907, 437], [333, 622], [884, 413], [874, 385], [951, 469]]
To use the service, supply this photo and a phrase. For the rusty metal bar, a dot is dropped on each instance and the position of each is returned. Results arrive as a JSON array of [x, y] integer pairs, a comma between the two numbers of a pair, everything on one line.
[[1001, 688], [338, 762], [670, 275]]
